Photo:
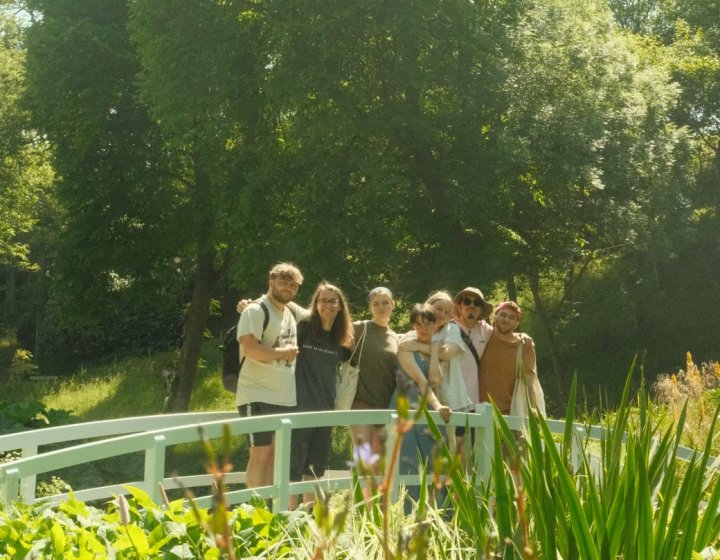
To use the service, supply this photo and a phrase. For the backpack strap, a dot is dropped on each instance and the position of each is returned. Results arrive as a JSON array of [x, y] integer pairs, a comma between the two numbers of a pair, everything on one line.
[[266, 311], [266, 320]]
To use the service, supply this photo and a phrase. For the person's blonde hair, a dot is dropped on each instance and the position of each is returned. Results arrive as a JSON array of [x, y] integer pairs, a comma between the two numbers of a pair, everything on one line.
[[286, 271], [439, 295]]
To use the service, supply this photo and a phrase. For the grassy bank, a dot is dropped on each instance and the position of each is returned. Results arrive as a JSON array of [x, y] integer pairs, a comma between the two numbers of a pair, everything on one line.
[[136, 387]]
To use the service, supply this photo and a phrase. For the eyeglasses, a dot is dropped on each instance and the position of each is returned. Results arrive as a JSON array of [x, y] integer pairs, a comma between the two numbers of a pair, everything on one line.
[[327, 301], [475, 302]]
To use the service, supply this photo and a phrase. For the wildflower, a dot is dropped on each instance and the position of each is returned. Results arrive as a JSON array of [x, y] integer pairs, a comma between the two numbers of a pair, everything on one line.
[[124, 510], [363, 457]]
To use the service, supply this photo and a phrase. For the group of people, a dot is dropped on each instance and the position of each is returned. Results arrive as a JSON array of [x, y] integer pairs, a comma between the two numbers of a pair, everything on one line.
[[290, 356]]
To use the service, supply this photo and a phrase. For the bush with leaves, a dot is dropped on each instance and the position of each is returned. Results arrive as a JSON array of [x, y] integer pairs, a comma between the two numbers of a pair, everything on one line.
[[19, 416]]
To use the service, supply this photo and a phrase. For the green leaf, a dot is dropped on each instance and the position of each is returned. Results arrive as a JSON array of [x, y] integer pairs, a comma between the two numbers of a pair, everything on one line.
[[578, 519], [58, 538]]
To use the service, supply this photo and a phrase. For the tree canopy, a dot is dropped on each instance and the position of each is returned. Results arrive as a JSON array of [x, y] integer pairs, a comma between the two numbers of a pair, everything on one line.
[[551, 151]]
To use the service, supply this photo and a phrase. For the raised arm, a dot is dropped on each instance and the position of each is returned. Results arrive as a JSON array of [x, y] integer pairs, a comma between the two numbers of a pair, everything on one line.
[[410, 344]]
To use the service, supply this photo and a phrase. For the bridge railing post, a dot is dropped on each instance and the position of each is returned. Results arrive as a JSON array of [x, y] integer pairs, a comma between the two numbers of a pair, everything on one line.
[[484, 441], [10, 485], [155, 467], [577, 453], [281, 475], [28, 483]]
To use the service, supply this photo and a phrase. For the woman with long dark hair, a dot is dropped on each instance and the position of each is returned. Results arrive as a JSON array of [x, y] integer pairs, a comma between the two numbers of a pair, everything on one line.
[[325, 338]]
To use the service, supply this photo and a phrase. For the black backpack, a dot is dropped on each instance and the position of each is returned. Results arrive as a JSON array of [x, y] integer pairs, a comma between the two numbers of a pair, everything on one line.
[[230, 348]]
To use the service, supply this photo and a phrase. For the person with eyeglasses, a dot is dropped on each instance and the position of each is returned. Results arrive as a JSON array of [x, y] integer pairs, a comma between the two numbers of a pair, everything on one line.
[[325, 338], [444, 353]]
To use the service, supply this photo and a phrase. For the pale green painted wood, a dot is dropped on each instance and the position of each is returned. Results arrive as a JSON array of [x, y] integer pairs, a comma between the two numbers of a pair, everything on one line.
[[17, 477]]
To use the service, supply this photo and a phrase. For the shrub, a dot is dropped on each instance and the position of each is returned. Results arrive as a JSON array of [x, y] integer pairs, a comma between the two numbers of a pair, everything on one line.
[[698, 386]]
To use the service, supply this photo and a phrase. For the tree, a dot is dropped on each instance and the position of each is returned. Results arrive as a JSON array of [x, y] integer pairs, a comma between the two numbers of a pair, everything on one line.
[[205, 95], [586, 138], [121, 246], [383, 113], [25, 174], [26, 185]]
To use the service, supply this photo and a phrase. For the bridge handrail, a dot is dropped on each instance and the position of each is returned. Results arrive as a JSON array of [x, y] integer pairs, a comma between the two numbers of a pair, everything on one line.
[[168, 430], [154, 442], [102, 428]]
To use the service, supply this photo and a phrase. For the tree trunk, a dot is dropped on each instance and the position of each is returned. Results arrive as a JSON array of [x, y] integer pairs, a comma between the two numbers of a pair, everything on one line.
[[11, 293], [511, 287], [206, 276], [40, 301], [546, 325], [184, 379]]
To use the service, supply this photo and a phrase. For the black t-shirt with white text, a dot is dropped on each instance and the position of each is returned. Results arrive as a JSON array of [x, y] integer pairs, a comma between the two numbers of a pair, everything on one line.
[[316, 368]]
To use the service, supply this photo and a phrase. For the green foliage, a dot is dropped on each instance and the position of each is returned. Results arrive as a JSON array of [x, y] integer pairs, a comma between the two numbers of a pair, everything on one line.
[[25, 173], [629, 499], [19, 416], [74, 529], [131, 320], [628, 496], [374, 143]]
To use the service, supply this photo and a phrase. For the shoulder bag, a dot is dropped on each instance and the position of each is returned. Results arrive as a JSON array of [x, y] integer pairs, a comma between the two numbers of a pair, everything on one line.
[[526, 396], [347, 375]]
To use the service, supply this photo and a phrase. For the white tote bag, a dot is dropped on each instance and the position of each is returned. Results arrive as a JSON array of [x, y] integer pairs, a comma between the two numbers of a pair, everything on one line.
[[347, 376], [526, 396]]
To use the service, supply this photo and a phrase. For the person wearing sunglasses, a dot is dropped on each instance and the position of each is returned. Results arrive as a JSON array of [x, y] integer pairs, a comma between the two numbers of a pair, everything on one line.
[[471, 314]]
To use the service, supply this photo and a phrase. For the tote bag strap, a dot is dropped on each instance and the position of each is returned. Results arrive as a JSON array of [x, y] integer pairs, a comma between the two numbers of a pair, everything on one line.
[[359, 345], [520, 367], [521, 377]]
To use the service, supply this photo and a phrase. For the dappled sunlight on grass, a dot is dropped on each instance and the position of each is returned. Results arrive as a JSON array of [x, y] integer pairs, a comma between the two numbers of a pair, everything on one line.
[[130, 387]]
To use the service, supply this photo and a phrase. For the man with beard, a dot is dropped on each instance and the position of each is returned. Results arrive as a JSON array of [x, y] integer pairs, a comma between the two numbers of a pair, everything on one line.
[[268, 348], [496, 374]]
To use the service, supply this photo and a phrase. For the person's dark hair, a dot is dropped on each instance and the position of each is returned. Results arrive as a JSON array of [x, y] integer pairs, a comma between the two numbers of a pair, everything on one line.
[[422, 311], [342, 329]]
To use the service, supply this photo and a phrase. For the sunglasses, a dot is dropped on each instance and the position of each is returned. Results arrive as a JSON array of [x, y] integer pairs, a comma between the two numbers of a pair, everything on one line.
[[475, 302]]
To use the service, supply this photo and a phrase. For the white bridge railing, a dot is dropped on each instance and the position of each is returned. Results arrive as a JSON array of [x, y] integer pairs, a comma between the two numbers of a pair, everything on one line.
[[154, 434]]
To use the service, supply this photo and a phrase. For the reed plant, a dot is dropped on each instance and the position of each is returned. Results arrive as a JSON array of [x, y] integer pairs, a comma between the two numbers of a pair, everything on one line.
[[630, 497]]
